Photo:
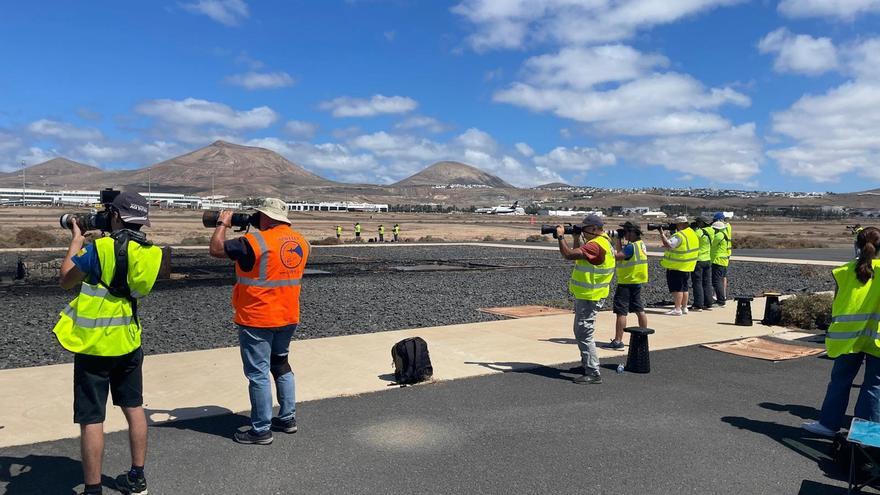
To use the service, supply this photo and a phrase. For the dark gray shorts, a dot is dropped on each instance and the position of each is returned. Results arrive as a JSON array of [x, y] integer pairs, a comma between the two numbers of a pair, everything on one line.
[[628, 298], [96, 376], [677, 281]]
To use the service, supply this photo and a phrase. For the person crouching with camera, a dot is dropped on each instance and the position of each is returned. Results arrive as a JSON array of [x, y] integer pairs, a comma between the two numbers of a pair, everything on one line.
[[101, 327], [632, 274], [589, 284], [680, 260], [269, 265]]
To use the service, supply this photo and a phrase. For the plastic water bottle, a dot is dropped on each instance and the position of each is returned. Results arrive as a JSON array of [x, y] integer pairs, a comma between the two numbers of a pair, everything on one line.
[[619, 369]]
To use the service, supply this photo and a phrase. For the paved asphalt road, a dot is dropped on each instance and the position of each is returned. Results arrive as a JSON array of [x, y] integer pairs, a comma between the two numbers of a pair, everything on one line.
[[818, 254], [702, 422]]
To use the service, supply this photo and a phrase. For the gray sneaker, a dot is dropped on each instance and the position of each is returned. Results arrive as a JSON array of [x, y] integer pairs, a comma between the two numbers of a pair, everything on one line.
[[594, 379], [288, 426], [617, 345], [250, 438]]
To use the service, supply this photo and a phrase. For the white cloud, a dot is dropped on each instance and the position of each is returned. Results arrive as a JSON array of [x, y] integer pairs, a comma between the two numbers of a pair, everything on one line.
[[63, 130], [834, 134], [336, 158], [576, 158], [863, 59], [301, 129], [515, 23], [428, 124], [584, 67], [657, 104], [727, 156], [192, 112], [261, 80], [840, 9], [345, 106], [524, 150], [227, 12], [799, 53]]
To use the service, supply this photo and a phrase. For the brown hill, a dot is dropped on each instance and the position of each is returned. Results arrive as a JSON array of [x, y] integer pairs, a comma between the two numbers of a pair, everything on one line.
[[57, 172], [445, 173], [237, 171]]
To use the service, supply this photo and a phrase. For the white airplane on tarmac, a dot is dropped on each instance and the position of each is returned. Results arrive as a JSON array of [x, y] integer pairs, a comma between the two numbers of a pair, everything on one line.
[[513, 209]]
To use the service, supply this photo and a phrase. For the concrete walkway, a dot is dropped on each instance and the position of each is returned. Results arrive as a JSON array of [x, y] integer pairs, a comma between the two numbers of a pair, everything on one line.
[[38, 401]]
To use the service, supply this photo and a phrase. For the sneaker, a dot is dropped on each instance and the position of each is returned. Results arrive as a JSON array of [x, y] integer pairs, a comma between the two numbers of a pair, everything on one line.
[[251, 438], [594, 379], [818, 428], [288, 426], [127, 484], [617, 345], [674, 312], [707, 308], [684, 310], [695, 309]]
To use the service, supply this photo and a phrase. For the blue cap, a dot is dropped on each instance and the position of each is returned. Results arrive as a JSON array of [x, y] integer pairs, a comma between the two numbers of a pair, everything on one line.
[[718, 216]]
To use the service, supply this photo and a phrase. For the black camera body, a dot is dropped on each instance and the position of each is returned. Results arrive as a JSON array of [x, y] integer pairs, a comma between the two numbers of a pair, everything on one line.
[[670, 227], [98, 220], [240, 220], [569, 230]]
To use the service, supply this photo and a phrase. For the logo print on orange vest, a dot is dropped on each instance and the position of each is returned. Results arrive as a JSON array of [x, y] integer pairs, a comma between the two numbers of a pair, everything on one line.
[[291, 254]]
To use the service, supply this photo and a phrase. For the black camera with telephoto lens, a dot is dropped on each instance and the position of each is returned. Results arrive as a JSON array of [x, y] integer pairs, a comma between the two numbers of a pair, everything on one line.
[[670, 227], [96, 220], [240, 220], [569, 229]]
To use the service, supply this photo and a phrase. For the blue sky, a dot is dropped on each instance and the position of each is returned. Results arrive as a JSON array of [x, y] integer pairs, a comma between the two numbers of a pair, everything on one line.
[[611, 93]]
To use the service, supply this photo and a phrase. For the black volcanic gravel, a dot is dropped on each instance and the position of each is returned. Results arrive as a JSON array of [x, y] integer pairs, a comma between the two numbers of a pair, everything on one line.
[[364, 294]]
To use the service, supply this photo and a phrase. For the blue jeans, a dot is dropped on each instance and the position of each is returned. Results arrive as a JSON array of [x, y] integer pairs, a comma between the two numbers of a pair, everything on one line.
[[845, 369], [265, 350]]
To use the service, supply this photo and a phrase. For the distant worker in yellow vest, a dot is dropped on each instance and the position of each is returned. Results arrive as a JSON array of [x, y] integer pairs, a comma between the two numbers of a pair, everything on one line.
[[632, 274], [589, 284], [852, 338], [101, 326], [680, 260], [357, 232], [381, 233], [396, 232], [701, 277], [719, 217], [338, 232], [721, 250]]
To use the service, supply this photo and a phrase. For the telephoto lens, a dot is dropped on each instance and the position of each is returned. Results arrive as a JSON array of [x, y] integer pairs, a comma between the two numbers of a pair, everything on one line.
[[240, 220], [86, 221]]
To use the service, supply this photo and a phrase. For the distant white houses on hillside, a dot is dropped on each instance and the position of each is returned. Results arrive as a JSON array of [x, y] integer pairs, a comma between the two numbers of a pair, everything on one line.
[[654, 214]]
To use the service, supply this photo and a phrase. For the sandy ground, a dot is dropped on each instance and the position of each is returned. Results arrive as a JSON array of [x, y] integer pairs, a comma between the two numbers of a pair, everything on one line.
[[185, 226]]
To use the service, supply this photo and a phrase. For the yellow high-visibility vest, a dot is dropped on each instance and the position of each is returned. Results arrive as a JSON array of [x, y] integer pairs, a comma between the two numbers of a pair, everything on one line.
[[396, 229], [382, 230], [635, 269], [100, 324], [855, 313], [357, 229], [591, 282], [705, 235], [721, 248], [684, 257]]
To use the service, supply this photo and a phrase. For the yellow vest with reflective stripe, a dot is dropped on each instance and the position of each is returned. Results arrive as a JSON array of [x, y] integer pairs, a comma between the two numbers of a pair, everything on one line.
[[705, 235], [381, 230], [855, 313], [721, 247], [684, 257], [635, 269], [396, 229], [100, 324], [591, 282], [357, 228]]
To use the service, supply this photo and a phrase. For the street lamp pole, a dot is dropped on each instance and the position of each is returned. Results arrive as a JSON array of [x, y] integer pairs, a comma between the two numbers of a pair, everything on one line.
[[22, 181]]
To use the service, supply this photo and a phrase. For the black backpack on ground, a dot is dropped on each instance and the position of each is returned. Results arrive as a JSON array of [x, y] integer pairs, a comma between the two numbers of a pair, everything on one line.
[[412, 364]]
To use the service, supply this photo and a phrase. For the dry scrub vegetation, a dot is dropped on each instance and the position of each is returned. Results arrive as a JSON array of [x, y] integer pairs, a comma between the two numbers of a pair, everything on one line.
[[807, 311]]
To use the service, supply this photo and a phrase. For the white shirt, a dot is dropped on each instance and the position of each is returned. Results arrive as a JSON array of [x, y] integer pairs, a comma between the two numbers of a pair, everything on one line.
[[674, 242]]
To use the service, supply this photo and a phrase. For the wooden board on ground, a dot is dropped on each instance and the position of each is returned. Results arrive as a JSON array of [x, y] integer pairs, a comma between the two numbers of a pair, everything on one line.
[[525, 311], [760, 348]]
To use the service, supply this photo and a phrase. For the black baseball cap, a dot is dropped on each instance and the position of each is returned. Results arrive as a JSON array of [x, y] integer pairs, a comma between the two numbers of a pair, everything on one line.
[[132, 208], [631, 226]]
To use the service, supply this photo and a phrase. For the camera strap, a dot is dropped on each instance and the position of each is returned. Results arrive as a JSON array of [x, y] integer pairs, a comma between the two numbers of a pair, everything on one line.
[[119, 283]]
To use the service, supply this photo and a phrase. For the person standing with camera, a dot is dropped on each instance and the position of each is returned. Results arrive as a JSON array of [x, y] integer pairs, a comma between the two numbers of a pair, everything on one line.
[[680, 260], [589, 284], [632, 274], [102, 328], [702, 274], [852, 339], [721, 250], [269, 265]]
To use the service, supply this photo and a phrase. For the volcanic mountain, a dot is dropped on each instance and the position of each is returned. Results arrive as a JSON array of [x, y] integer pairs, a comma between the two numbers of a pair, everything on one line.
[[229, 169], [446, 173], [57, 172]]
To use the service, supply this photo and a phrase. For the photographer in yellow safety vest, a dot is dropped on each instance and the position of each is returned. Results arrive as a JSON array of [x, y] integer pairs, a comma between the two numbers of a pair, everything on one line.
[[853, 338], [102, 328], [589, 284], [680, 260], [632, 274]]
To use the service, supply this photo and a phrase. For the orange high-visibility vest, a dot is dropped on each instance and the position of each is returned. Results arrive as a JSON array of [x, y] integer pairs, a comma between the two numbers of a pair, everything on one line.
[[267, 296]]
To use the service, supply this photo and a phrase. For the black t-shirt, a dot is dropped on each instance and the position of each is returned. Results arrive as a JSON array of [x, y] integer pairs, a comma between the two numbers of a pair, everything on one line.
[[240, 251]]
